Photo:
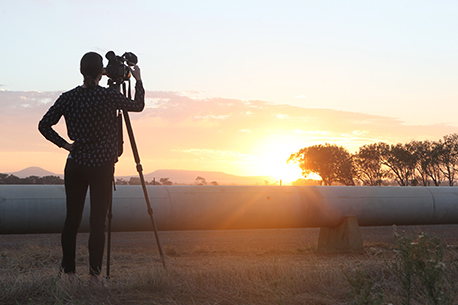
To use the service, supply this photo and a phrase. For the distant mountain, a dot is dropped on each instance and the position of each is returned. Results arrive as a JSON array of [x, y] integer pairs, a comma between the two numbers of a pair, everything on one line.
[[189, 177], [33, 171], [174, 175]]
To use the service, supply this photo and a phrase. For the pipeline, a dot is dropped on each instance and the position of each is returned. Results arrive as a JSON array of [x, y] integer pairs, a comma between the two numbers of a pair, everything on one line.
[[28, 209]]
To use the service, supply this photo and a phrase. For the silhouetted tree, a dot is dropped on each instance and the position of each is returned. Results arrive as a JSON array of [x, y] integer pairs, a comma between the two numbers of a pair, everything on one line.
[[134, 181], [165, 181], [368, 165], [51, 180], [410, 164], [32, 180], [12, 179], [333, 163], [448, 157], [200, 181], [427, 165], [401, 160], [121, 181], [433, 168], [3, 178]]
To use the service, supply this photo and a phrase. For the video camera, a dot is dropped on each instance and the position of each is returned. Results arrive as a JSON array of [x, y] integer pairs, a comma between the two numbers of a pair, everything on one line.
[[117, 69]]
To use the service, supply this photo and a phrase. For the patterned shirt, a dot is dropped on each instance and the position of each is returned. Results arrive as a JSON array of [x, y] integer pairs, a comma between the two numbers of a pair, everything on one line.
[[90, 116]]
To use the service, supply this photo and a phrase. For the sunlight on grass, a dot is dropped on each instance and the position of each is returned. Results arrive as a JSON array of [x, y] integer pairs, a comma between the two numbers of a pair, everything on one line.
[[220, 272]]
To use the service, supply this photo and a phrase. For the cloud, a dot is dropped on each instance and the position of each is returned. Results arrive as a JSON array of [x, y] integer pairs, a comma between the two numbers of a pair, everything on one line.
[[281, 116], [245, 130], [215, 154], [211, 116], [12, 103], [177, 131]]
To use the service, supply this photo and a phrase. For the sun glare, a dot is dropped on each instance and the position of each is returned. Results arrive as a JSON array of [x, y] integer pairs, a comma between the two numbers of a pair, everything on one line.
[[273, 163], [286, 172], [313, 176]]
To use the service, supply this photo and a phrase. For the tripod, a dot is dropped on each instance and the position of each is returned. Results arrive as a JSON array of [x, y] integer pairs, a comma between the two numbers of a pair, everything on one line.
[[116, 85]]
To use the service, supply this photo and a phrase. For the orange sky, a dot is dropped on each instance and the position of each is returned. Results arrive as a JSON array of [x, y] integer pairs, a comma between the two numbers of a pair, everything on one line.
[[178, 131], [387, 74]]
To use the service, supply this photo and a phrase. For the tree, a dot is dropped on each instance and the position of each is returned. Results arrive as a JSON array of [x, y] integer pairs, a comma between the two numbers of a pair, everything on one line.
[[427, 166], [121, 181], [51, 180], [165, 181], [135, 181], [333, 163], [12, 179], [401, 160], [302, 181], [368, 165], [3, 178], [200, 181], [433, 169], [448, 157], [31, 180]]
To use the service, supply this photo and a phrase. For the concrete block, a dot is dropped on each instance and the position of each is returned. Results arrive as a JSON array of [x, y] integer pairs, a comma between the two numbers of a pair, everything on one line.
[[344, 238]]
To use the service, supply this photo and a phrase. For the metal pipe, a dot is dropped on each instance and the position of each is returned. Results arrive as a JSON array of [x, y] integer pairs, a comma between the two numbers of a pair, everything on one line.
[[41, 208]]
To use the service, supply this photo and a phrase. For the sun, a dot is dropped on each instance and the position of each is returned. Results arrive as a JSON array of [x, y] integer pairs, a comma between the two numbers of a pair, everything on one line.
[[273, 163], [285, 172]]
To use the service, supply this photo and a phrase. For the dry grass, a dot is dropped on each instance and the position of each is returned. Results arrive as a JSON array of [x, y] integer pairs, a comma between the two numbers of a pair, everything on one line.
[[227, 267]]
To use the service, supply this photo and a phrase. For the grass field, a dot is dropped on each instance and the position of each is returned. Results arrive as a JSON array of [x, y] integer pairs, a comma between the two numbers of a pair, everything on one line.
[[275, 266]]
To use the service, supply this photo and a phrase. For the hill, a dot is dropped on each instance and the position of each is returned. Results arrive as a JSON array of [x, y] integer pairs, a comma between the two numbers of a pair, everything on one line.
[[33, 171], [174, 175], [189, 177]]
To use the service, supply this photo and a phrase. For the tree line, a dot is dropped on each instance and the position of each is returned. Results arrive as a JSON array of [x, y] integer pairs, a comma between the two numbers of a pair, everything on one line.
[[417, 163], [12, 179], [162, 181]]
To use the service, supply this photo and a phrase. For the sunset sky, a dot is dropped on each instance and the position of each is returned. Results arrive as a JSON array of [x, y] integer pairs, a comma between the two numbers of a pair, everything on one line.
[[236, 86]]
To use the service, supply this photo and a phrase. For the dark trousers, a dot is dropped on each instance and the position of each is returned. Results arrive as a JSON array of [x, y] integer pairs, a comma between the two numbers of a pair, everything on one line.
[[100, 182]]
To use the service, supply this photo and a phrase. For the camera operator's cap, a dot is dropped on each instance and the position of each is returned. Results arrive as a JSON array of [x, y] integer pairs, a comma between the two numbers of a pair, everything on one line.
[[91, 64]]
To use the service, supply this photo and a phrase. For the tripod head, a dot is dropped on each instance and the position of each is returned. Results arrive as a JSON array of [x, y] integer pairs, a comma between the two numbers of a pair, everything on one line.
[[118, 69], [118, 72]]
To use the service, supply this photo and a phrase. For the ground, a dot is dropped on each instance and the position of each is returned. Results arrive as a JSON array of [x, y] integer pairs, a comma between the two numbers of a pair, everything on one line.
[[272, 266]]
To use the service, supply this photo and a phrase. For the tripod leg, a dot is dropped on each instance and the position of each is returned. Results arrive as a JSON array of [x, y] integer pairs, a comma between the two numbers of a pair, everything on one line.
[[142, 179]]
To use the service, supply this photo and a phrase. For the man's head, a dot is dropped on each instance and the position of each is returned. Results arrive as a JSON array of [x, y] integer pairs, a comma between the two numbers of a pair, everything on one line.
[[91, 66]]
